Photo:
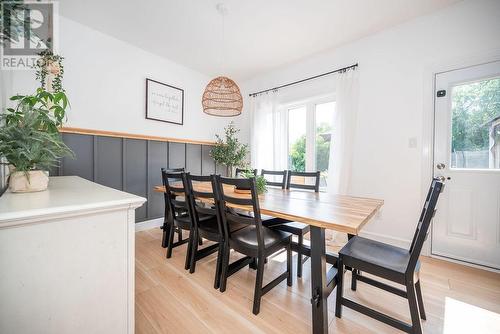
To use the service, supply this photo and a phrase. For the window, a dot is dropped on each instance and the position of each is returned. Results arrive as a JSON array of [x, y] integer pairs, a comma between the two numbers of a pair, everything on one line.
[[309, 136], [475, 141]]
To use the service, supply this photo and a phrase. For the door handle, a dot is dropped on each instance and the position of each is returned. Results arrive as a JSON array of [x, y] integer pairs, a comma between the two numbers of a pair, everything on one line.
[[440, 165]]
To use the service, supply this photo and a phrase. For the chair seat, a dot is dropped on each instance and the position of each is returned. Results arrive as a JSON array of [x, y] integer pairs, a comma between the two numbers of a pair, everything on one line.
[[210, 226], [376, 257], [245, 240], [184, 221]]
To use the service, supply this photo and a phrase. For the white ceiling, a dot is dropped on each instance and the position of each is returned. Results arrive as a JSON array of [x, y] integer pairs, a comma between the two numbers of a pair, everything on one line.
[[260, 35]]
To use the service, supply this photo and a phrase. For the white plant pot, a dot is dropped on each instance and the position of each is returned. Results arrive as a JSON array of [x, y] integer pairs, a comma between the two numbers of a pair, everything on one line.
[[19, 183]]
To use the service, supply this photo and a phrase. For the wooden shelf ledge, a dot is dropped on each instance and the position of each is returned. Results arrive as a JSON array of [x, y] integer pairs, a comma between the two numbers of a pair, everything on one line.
[[82, 131]]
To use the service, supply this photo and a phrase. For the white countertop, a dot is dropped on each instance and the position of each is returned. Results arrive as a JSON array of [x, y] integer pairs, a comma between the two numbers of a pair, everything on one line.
[[65, 196]]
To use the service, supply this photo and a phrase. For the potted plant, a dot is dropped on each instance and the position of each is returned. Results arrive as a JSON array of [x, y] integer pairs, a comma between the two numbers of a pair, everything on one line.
[[260, 182], [229, 151], [49, 70], [30, 140]]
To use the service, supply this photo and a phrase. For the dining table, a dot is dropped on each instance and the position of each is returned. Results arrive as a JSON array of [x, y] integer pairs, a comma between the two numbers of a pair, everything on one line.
[[322, 211]]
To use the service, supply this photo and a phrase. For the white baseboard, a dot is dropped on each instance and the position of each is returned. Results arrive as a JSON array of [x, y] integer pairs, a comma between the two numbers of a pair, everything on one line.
[[399, 242], [148, 224]]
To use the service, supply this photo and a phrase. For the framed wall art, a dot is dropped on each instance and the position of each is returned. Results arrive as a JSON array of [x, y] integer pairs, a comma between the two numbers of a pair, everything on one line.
[[164, 103]]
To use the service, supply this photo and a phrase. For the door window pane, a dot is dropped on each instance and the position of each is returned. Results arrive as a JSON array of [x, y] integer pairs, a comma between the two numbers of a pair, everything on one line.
[[297, 139], [475, 141], [324, 126]]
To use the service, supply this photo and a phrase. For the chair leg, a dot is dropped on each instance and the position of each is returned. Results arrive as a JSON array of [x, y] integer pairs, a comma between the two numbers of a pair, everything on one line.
[[289, 264], [189, 250], [340, 288], [194, 250], [179, 234], [420, 300], [253, 264], [170, 241], [414, 312], [225, 266], [258, 285], [354, 281], [200, 241], [218, 267], [166, 230], [299, 256]]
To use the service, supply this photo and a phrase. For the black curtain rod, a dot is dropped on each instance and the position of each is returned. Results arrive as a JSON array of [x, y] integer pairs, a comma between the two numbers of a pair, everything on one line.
[[343, 69]]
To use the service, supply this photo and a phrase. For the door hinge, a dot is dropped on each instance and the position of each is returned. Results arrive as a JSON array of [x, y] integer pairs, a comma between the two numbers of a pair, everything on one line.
[[441, 93]]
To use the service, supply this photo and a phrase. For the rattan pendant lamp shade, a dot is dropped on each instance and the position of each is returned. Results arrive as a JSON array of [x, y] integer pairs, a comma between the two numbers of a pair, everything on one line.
[[222, 97]]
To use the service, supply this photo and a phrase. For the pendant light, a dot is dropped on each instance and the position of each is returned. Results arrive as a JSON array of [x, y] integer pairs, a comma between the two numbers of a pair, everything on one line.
[[222, 96]]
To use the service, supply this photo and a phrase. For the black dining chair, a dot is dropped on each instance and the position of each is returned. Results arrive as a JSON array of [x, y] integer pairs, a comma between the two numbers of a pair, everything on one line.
[[178, 217], [315, 176], [206, 220], [165, 225], [392, 263], [240, 170], [296, 228], [280, 174], [255, 241]]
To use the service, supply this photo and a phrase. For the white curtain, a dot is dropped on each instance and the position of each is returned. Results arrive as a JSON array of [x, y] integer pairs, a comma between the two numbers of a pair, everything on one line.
[[268, 136], [345, 117]]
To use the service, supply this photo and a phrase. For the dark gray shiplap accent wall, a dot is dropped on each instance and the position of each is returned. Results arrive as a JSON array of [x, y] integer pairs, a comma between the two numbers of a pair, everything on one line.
[[108, 162], [157, 159], [133, 165], [135, 180]]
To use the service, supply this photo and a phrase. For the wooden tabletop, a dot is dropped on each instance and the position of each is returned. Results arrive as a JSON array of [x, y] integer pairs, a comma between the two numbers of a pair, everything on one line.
[[336, 212]]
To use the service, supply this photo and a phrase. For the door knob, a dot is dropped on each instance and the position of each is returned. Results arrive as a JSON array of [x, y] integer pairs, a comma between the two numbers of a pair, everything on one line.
[[440, 165]]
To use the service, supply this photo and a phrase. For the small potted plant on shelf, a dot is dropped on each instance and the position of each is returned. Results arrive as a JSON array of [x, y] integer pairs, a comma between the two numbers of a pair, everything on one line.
[[30, 140], [229, 151]]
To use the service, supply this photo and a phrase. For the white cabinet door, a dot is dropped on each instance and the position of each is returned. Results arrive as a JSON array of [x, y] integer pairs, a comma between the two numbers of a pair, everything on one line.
[[467, 155]]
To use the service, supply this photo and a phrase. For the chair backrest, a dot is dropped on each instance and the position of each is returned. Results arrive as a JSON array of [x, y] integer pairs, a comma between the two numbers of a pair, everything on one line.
[[315, 186], [203, 198], [428, 212], [175, 188], [240, 170], [249, 201], [274, 183], [173, 170]]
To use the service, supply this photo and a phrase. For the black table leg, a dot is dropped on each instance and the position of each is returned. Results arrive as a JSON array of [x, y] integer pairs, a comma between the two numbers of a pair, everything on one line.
[[319, 281], [355, 272]]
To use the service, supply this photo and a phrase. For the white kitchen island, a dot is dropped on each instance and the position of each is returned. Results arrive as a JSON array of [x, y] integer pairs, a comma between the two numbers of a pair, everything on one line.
[[67, 259]]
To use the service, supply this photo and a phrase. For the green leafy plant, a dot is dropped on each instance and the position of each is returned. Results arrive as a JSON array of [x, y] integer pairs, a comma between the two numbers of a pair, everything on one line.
[[260, 181], [49, 108], [25, 141], [298, 154], [229, 151], [50, 66]]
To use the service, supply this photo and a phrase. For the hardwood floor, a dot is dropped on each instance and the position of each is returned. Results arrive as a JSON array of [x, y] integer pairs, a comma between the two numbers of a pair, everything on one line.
[[170, 300]]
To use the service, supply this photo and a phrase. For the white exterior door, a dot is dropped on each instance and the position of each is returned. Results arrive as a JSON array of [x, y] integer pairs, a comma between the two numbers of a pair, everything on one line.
[[467, 156]]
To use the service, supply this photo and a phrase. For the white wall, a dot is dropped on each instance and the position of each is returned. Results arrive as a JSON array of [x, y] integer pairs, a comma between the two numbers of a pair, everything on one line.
[[105, 82], [396, 94]]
